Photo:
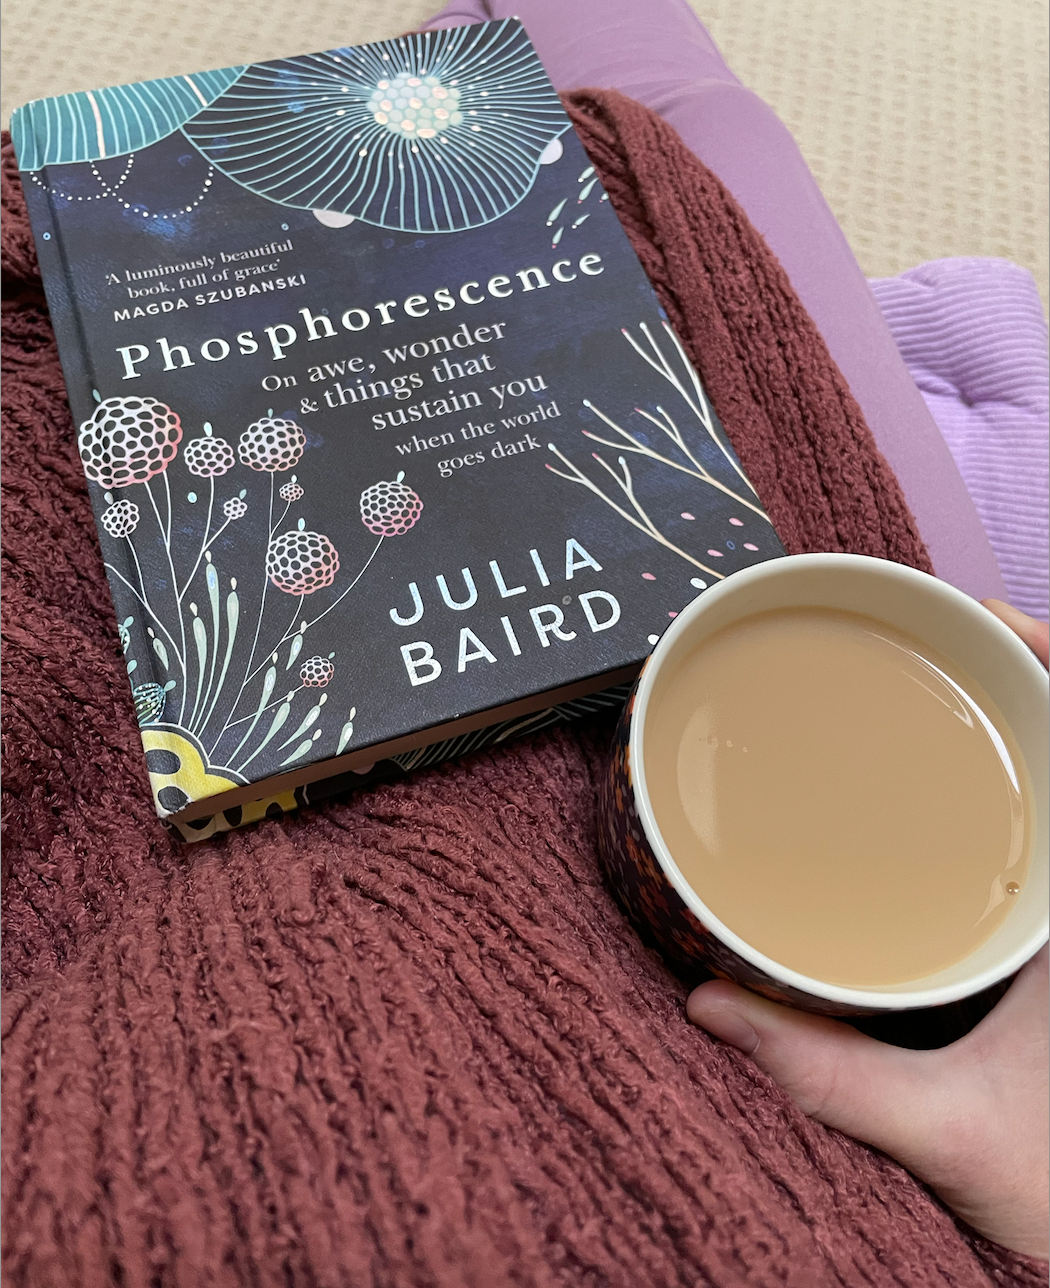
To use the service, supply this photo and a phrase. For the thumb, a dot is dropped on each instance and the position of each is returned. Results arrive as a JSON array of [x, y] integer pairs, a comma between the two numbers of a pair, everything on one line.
[[865, 1088], [1036, 634]]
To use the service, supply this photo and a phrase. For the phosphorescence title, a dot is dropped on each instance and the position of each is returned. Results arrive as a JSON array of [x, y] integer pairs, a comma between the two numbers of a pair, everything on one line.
[[276, 340]]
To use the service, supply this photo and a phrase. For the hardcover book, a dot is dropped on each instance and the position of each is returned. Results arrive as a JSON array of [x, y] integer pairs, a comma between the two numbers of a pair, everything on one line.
[[391, 448]]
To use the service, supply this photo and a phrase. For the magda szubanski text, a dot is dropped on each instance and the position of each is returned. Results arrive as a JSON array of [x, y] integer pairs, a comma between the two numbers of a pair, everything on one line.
[[277, 339]]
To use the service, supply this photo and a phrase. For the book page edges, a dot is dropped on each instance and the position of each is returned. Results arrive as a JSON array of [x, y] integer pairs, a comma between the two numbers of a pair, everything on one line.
[[367, 756]]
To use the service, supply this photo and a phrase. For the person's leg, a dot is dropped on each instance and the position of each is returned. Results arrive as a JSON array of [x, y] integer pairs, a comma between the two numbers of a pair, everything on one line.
[[660, 54], [639, 49]]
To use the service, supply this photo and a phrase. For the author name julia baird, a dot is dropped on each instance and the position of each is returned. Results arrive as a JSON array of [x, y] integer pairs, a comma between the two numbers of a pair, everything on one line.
[[537, 627]]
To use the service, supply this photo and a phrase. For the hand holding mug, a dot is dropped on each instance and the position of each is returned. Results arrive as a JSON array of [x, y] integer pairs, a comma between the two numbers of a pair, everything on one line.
[[971, 1119]]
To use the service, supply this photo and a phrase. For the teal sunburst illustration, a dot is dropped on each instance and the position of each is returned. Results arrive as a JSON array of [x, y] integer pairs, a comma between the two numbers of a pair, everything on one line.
[[433, 132]]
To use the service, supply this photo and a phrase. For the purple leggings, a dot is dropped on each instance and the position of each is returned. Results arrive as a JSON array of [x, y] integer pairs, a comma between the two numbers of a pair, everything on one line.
[[660, 54]]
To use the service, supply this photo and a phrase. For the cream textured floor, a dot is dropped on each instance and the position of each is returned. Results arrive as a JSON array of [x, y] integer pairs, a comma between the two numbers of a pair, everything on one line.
[[925, 121]]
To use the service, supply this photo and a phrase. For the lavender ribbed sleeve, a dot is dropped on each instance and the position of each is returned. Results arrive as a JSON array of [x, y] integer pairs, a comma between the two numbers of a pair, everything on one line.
[[973, 336]]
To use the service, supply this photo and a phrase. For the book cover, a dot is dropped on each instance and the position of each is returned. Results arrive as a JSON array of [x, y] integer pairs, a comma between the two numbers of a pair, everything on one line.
[[388, 439]]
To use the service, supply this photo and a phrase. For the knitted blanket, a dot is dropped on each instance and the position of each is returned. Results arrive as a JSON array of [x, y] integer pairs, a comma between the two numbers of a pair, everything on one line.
[[407, 1040]]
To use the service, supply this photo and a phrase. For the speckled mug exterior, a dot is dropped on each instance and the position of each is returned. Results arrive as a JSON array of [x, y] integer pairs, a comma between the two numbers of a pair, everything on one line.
[[668, 911]]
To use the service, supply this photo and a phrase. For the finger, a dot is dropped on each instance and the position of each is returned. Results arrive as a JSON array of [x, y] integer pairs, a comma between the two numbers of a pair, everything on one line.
[[1004, 1059], [843, 1078], [1021, 1015], [1035, 634], [990, 1162]]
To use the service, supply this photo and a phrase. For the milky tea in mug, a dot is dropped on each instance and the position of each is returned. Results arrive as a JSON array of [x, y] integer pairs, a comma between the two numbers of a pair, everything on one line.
[[839, 795]]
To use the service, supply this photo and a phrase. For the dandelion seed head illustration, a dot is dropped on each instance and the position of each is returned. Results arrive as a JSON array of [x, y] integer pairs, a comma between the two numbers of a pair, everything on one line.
[[208, 457], [390, 508], [315, 672], [271, 444], [128, 440], [420, 106], [291, 492], [300, 562], [121, 518], [235, 508]]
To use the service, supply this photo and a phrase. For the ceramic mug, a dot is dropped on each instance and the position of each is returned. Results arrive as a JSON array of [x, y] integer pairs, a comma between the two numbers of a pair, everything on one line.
[[672, 913]]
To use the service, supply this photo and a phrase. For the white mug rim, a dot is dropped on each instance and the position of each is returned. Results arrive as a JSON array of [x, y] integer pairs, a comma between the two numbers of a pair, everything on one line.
[[848, 997]]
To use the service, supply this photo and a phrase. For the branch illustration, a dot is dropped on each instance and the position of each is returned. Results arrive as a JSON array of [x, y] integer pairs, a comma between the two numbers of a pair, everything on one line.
[[626, 485], [165, 534], [689, 461], [275, 703], [147, 606], [668, 426], [259, 620], [697, 401], [167, 494], [207, 539]]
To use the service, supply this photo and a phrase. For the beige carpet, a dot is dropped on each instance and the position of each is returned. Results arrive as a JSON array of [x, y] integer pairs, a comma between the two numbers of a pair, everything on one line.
[[925, 121]]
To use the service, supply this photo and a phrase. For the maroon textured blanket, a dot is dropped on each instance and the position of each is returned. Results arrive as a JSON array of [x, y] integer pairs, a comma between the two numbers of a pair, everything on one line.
[[407, 1040]]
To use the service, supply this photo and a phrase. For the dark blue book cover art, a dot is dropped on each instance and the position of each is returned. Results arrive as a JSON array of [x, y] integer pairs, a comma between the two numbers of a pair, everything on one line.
[[383, 425]]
